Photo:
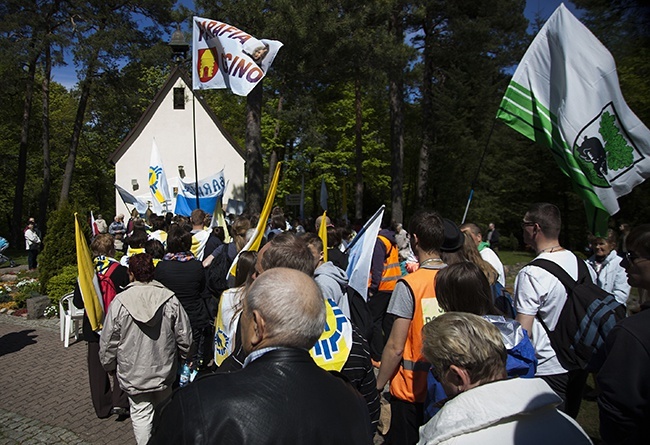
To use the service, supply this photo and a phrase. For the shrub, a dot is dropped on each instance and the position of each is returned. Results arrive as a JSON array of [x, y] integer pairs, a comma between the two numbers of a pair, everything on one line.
[[26, 289], [61, 284], [509, 242], [60, 250]]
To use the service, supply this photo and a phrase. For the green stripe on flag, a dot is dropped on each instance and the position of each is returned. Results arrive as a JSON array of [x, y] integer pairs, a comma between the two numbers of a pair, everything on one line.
[[520, 110]]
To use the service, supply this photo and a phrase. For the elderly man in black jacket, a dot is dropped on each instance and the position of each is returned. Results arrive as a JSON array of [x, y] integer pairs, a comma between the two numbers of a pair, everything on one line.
[[281, 395]]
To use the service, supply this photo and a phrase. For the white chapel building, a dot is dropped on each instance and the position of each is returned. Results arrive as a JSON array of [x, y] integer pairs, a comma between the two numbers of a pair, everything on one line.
[[171, 120]]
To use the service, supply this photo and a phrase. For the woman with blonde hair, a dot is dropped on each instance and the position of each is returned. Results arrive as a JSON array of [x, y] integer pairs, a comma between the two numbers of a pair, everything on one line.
[[469, 359]]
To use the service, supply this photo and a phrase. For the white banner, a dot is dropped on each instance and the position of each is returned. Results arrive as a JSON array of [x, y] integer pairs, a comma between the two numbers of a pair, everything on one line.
[[209, 187], [224, 56]]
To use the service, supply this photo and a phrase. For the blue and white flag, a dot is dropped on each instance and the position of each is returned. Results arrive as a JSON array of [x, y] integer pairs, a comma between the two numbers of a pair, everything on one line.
[[128, 198], [157, 178], [360, 254], [210, 191]]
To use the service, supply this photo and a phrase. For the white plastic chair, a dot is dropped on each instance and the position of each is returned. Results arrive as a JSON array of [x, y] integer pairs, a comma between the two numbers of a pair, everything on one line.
[[70, 319]]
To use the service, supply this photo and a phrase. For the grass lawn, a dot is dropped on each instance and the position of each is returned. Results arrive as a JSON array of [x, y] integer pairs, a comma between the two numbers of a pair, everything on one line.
[[512, 257], [18, 255]]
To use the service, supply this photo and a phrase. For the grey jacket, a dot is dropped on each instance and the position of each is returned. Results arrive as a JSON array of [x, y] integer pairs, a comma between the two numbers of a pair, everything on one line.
[[144, 328], [333, 282]]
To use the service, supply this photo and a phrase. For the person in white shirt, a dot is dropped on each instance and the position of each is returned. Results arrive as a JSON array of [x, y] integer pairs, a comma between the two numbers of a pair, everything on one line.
[[610, 275], [32, 245], [538, 293]]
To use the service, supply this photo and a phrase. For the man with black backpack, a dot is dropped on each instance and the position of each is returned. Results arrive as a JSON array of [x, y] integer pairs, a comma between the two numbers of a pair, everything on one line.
[[540, 298]]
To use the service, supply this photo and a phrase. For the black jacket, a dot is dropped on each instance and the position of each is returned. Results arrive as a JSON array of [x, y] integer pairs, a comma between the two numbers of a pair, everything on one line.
[[282, 397], [624, 380], [187, 281]]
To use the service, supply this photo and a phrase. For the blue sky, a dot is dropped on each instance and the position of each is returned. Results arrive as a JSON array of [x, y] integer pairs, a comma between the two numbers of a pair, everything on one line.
[[67, 76]]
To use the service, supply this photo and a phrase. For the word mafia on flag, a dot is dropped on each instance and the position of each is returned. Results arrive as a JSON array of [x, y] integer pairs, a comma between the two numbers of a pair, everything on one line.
[[224, 56]]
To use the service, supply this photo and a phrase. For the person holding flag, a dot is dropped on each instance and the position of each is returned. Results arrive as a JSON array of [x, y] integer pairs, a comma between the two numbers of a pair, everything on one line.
[[102, 271]]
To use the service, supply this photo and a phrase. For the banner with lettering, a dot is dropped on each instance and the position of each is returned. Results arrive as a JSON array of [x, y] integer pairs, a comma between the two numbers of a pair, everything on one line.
[[210, 192], [224, 56]]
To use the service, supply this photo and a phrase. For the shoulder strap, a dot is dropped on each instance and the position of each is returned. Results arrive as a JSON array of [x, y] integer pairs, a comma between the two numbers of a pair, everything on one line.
[[583, 272], [559, 273], [111, 269]]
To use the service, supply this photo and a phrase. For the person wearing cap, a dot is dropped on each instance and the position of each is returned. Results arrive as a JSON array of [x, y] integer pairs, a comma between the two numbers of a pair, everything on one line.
[[414, 303]]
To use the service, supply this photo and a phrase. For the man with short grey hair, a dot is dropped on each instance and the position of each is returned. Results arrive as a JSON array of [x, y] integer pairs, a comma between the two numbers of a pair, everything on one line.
[[281, 395]]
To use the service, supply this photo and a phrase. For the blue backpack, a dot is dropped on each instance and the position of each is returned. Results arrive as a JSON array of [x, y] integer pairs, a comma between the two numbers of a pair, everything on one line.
[[503, 300]]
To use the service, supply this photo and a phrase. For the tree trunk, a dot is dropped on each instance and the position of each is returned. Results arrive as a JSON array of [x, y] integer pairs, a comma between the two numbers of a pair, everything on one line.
[[427, 113], [47, 177], [396, 98], [273, 159], [358, 143], [86, 85], [21, 174], [254, 184]]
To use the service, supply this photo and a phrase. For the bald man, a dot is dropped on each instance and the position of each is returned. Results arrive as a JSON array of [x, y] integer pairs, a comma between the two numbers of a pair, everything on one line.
[[281, 395]]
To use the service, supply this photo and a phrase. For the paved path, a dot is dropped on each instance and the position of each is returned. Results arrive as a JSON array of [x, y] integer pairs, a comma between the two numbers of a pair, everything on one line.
[[44, 393]]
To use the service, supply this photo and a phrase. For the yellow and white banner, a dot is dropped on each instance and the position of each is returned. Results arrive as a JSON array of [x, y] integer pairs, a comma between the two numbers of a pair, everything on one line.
[[157, 178], [88, 282], [332, 349], [224, 56]]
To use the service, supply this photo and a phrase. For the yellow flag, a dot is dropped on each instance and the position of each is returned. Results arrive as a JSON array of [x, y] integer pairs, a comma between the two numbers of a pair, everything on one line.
[[322, 234], [88, 283], [332, 349], [254, 243], [221, 221]]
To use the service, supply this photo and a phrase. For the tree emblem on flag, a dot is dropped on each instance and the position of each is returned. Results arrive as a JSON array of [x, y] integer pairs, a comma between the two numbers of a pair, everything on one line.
[[603, 150]]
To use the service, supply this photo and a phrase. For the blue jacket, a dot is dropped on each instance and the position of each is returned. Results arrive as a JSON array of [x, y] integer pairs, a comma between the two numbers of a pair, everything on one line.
[[521, 361]]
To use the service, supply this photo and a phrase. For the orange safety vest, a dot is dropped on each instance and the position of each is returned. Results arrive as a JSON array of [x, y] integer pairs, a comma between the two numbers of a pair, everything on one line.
[[392, 271], [410, 382]]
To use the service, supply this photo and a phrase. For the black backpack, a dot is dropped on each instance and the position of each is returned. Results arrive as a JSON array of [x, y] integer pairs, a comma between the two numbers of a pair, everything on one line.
[[587, 317]]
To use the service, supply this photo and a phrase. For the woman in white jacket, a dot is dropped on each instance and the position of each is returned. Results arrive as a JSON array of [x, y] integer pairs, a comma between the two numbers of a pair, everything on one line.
[[468, 357], [606, 263]]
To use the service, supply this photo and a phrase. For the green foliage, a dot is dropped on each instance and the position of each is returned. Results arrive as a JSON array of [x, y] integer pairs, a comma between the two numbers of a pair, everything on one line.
[[60, 250], [61, 284], [25, 289], [619, 154]]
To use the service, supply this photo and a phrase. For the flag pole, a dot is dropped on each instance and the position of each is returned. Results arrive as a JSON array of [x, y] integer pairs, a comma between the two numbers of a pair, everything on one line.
[[196, 163], [478, 170]]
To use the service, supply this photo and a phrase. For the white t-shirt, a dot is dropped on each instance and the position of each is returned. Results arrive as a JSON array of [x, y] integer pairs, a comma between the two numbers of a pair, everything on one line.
[[491, 257], [538, 291]]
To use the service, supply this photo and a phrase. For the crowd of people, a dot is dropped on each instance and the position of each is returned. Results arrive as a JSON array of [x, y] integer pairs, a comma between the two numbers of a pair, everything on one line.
[[280, 349]]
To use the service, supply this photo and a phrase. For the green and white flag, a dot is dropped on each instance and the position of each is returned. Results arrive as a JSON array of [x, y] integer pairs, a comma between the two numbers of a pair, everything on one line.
[[565, 95]]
